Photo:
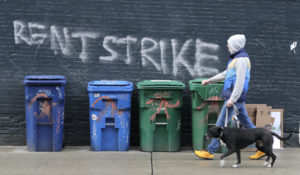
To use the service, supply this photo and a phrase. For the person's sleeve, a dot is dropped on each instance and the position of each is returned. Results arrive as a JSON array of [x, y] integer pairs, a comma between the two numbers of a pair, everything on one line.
[[241, 68], [219, 77]]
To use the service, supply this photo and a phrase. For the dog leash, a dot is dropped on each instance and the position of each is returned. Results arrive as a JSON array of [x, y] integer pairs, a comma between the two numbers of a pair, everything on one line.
[[235, 113]]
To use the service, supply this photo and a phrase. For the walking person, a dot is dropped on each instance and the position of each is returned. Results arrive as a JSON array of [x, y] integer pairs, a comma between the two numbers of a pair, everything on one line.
[[236, 82]]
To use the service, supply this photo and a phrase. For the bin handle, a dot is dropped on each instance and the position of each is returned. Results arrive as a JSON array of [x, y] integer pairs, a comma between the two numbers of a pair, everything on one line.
[[161, 123], [44, 123], [161, 98], [109, 124]]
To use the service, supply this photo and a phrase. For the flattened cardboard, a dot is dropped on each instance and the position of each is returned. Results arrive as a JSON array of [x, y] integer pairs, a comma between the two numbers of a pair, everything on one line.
[[252, 109], [263, 117]]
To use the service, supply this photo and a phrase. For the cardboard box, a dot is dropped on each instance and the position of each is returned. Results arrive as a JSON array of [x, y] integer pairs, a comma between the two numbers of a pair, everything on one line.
[[252, 109], [253, 119], [263, 117]]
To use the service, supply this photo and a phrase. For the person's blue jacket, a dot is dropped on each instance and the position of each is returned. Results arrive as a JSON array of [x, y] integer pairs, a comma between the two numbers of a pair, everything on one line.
[[231, 75]]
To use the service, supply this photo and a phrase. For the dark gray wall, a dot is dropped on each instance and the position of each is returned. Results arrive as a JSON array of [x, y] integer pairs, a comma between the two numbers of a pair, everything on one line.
[[137, 40]]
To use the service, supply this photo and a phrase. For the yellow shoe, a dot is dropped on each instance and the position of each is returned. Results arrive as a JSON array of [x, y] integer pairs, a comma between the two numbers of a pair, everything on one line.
[[204, 154], [258, 155]]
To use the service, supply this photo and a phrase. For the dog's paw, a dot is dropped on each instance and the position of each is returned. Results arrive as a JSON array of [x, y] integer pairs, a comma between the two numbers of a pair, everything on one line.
[[236, 166], [266, 164], [222, 163]]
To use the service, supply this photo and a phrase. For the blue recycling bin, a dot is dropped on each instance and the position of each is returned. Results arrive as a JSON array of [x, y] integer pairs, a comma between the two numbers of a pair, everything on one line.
[[44, 107], [110, 108]]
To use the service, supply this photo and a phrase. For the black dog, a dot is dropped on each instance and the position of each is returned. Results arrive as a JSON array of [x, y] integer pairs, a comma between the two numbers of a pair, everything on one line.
[[237, 139]]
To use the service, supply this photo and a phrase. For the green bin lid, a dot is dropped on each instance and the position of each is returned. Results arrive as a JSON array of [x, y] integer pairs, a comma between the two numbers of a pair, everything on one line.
[[196, 83], [160, 84]]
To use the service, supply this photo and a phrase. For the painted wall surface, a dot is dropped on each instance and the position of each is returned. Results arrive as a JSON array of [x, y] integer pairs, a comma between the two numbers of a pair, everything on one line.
[[137, 40]]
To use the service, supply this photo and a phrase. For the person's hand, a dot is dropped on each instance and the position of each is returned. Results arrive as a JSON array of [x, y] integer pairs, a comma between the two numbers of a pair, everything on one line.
[[205, 82], [229, 104]]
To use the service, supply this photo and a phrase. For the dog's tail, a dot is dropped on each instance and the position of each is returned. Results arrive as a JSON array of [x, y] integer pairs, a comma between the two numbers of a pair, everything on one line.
[[282, 138]]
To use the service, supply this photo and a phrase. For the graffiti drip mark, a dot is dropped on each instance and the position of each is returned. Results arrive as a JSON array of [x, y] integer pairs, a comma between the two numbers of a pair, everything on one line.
[[45, 107], [42, 95], [212, 103], [162, 103], [214, 106], [162, 94], [110, 102]]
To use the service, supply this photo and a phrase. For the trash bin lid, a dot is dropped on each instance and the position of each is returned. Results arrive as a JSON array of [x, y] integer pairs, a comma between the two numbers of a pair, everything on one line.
[[44, 79], [196, 83], [160, 84], [110, 86]]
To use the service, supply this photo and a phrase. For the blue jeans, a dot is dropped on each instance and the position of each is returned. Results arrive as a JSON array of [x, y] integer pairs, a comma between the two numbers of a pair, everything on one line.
[[242, 116]]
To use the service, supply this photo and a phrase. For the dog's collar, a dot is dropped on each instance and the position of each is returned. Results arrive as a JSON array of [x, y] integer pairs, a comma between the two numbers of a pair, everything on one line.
[[222, 132], [220, 138]]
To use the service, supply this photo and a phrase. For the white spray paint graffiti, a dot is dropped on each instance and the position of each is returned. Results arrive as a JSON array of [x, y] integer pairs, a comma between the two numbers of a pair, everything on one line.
[[44, 91], [145, 53], [178, 57], [84, 36], [114, 55], [293, 46], [59, 92], [202, 57], [20, 32], [163, 56], [62, 41], [36, 37], [129, 41], [94, 134]]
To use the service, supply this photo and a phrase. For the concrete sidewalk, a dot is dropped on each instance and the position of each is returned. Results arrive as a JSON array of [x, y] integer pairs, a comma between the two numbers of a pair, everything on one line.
[[80, 161]]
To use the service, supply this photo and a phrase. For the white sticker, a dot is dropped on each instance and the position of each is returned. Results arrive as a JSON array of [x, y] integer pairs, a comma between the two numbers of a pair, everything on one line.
[[94, 117], [97, 95]]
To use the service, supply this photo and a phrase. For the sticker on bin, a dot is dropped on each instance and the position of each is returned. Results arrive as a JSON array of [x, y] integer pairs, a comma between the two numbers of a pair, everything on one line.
[[97, 95], [160, 80], [94, 117], [214, 91]]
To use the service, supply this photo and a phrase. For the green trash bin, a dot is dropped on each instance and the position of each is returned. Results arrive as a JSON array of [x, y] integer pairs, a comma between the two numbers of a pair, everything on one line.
[[206, 106], [160, 103]]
